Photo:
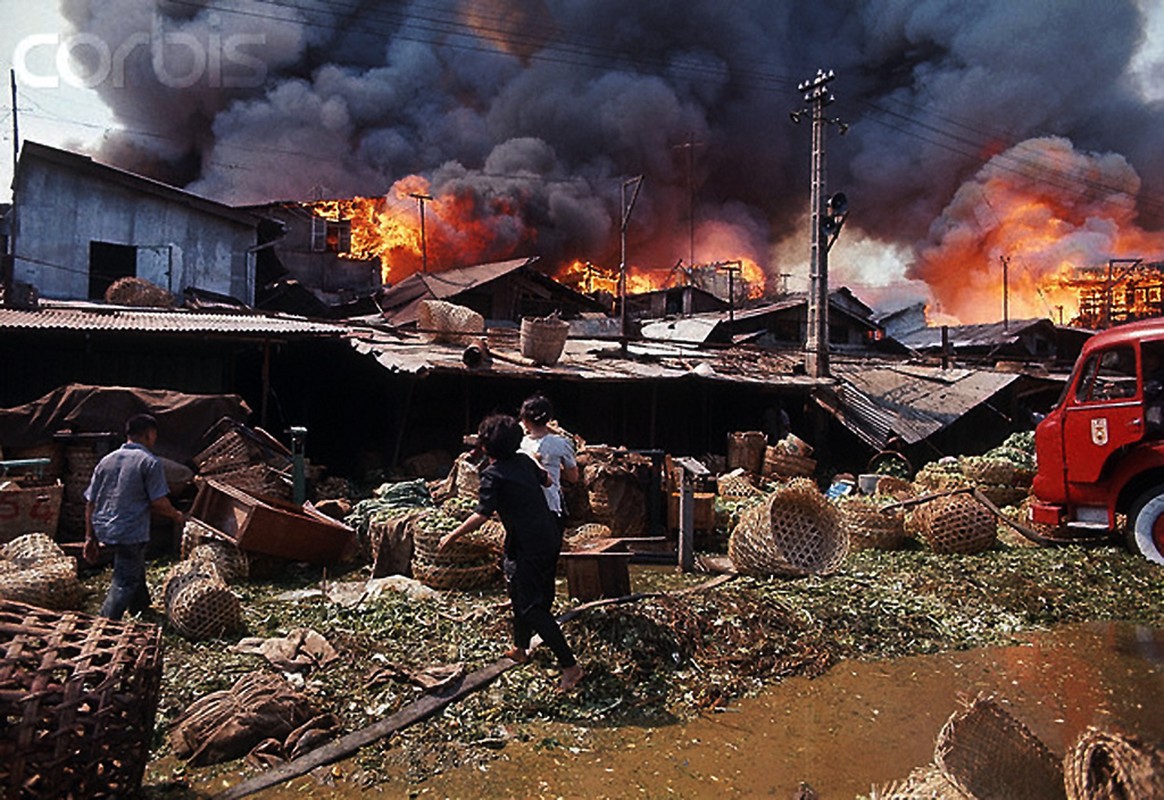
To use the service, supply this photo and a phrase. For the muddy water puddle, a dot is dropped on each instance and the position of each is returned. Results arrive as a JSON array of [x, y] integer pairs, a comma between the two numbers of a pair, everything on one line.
[[860, 725]]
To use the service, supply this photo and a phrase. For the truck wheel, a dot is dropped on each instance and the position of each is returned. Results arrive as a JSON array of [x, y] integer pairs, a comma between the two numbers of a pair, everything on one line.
[[1146, 525]]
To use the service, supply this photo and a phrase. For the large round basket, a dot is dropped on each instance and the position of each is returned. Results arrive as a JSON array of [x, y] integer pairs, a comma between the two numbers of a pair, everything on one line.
[[448, 322], [986, 752], [468, 563], [229, 561], [868, 527], [794, 531], [1113, 766], [956, 523], [989, 471], [49, 584], [542, 340], [79, 699], [456, 578]]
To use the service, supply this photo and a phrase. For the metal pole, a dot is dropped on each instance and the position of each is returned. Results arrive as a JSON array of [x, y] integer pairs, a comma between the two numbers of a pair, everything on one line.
[[626, 212], [15, 123], [421, 199], [1005, 293]]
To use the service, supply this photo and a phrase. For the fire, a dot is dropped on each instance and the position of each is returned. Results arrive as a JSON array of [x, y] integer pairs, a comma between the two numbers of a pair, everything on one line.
[[459, 228], [748, 280], [1045, 219]]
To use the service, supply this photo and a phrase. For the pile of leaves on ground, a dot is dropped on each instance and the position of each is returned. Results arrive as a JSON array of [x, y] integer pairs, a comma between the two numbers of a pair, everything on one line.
[[653, 661]]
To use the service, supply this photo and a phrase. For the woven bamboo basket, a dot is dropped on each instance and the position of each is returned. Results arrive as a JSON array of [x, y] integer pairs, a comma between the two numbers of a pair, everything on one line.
[[199, 604], [229, 562], [51, 584], [956, 523], [78, 695], [735, 486], [782, 465], [542, 340], [923, 783], [868, 527], [986, 752], [1003, 496], [897, 488], [1113, 766], [30, 549], [585, 533], [989, 471], [138, 293], [746, 451], [456, 578], [794, 531], [468, 551], [936, 478], [259, 480], [448, 322]]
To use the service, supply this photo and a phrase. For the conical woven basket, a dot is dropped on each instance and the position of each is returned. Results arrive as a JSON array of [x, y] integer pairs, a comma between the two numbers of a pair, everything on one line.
[[1113, 766], [870, 528], [198, 603], [986, 752], [542, 340], [794, 531], [956, 523]]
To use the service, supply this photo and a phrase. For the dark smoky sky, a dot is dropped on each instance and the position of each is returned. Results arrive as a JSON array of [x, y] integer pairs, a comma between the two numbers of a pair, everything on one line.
[[552, 104]]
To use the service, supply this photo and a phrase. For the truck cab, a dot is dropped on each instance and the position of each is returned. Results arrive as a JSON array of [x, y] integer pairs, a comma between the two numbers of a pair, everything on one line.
[[1100, 451]]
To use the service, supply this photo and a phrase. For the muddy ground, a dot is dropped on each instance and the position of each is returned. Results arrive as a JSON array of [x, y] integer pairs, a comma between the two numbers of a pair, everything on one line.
[[653, 662]]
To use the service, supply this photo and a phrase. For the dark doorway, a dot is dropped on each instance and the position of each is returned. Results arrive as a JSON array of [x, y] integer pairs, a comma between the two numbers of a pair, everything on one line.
[[107, 263]]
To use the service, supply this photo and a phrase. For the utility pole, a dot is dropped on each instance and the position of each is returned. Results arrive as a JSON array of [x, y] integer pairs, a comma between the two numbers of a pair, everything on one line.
[[1005, 296], [15, 123], [825, 221], [690, 146], [637, 182], [421, 199]]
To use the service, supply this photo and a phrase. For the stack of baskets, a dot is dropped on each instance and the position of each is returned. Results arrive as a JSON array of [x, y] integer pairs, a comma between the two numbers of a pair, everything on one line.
[[794, 531], [467, 564], [449, 323], [79, 698], [198, 602], [542, 340], [80, 461], [867, 526], [34, 570], [999, 479], [249, 459]]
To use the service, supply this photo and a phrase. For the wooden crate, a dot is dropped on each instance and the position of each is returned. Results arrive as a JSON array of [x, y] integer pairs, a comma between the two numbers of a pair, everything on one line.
[[270, 526], [704, 511]]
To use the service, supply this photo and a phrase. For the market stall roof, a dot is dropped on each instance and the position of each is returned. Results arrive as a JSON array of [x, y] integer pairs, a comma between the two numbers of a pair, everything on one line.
[[590, 359], [876, 400], [87, 316]]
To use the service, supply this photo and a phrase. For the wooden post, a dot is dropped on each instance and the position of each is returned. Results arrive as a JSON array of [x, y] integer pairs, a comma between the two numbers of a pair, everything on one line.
[[686, 524]]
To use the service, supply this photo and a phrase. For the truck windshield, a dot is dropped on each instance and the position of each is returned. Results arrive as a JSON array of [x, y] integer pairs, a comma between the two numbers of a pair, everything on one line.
[[1108, 375]]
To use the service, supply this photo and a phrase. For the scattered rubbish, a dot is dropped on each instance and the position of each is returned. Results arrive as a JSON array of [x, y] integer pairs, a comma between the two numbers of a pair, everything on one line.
[[225, 725], [302, 649]]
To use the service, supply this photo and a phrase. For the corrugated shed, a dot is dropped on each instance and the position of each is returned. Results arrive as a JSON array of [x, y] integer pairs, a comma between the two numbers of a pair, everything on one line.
[[99, 317], [401, 302], [874, 400], [984, 336]]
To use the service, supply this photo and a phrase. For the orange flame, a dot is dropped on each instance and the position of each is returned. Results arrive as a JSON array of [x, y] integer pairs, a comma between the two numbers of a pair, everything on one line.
[[1044, 226]]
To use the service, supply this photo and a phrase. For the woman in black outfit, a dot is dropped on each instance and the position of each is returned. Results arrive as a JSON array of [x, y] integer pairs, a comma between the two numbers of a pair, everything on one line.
[[511, 486]]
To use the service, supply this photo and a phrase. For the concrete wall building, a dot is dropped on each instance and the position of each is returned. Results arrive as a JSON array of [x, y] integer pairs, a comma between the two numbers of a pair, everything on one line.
[[78, 226]]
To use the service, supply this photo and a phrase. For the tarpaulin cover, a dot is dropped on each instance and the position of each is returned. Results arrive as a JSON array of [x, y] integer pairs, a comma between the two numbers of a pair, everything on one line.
[[183, 419]]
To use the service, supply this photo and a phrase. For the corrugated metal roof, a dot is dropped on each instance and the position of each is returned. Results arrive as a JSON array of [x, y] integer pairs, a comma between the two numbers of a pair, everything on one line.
[[77, 316], [875, 400], [401, 302], [588, 359], [992, 334]]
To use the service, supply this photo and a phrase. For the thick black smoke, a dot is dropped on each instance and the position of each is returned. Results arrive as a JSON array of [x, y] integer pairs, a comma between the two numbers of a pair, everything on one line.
[[549, 105]]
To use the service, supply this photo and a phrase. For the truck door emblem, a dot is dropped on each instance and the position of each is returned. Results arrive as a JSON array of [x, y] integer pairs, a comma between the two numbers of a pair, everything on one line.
[[1099, 431]]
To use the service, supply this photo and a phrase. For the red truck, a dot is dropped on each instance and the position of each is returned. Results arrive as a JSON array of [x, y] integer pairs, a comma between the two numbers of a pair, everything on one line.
[[1100, 452]]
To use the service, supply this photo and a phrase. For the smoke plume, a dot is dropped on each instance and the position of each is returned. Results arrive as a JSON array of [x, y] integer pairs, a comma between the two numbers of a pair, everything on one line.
[[533, 113]]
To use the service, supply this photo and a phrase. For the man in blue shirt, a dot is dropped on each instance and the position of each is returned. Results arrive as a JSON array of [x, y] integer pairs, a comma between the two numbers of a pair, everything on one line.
[[126, 486]]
